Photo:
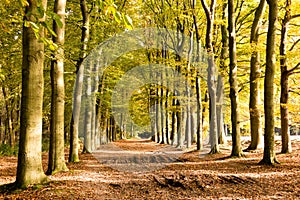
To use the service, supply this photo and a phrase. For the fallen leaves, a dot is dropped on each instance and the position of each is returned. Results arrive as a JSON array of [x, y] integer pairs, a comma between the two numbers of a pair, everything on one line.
[[189, 177]]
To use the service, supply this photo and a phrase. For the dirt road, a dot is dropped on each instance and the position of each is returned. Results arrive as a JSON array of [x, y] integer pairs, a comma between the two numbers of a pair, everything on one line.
[[132, 169]]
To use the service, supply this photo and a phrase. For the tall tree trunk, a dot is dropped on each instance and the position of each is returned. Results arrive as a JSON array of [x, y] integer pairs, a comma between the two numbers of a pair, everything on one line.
[[199, 116], [269, 153], [189, 130], [255, 119], [30, 169], [87, 102], [220, 99], [56, 161], [211, 79], [74, 143], [162, 104], [223, 67], [95, 84], [284, 83], [198, 87], [235, 121], [8, 118], [157, 117]]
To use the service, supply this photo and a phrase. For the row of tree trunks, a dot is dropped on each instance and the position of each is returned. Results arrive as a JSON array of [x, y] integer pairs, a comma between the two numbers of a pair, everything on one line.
[[9, 117]]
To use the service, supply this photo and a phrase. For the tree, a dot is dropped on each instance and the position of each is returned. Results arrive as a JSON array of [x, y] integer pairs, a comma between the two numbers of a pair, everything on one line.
[[269, 153], [87, 107], [197, 81], [255, 119], [284, 81], [56, 151], [74, 145], [223, 66], [211, 82], [235, 121], [30, 170]]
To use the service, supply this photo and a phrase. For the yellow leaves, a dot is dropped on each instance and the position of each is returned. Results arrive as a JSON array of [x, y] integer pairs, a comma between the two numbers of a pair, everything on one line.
[[128, 22], [111, 10], [23, 3], [36, 28], [2, 77]]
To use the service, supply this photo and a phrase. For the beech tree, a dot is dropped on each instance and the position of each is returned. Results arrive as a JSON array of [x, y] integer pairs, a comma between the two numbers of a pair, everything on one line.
[[211, 77], [56, 151], [269, 152], [284, 81], [221, 76], [30, 170], [74, 143], [255, 119], [235, 120]]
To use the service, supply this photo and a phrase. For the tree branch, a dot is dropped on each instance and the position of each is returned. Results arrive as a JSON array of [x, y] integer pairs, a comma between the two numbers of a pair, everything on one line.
[[292, 91], [292, 71], [295, 43], [295, 16]]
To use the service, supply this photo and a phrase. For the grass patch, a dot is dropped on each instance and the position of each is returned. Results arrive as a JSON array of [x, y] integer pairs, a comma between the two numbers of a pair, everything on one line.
[[7, 150]]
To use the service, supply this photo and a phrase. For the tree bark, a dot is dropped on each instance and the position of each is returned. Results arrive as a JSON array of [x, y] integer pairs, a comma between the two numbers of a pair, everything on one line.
[[87, 106], [211, 78], [255, 119], [223, 67], [235, 121], [284, 83], [30, 169], [199, 133], [220, 101], [74, 143], [269, 153], [56, 161]]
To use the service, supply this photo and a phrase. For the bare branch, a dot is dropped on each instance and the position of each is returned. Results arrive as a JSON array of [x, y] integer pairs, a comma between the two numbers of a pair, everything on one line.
[[295, 16], [292, 71], [293, 91], [295, 43]]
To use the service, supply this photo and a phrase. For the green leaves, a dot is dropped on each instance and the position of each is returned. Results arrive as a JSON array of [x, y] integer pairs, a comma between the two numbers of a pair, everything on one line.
[[57, 19], [23, 3], [118, 17], [128, 22]]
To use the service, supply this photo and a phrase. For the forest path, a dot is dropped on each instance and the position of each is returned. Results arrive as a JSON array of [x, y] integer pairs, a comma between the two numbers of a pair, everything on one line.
[[190, 176]]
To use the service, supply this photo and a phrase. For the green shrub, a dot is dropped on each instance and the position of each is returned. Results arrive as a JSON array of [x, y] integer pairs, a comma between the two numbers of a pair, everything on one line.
[[7, 150]]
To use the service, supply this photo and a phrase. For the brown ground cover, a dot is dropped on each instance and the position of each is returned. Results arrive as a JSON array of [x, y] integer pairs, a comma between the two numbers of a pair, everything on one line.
[[145, 170]]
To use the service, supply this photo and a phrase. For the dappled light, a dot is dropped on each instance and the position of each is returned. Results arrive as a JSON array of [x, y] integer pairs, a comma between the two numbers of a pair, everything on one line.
[[192, 175]]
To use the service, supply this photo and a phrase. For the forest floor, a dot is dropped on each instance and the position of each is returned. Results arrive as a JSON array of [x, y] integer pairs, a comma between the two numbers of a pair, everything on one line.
[[141, 169]]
